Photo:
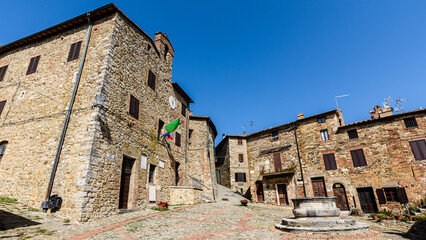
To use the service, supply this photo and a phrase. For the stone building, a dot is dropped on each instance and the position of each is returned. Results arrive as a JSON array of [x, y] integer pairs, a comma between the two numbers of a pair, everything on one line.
[[372, 164], [112, 153]]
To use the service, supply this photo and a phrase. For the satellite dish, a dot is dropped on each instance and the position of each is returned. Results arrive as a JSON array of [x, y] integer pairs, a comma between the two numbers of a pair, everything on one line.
[[172, 102]]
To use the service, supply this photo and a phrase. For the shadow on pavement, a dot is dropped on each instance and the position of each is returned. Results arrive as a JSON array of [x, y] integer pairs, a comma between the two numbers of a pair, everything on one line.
[[9, 220]]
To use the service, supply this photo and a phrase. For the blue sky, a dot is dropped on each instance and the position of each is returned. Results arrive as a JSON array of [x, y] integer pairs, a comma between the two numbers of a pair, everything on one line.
[[267, 61]]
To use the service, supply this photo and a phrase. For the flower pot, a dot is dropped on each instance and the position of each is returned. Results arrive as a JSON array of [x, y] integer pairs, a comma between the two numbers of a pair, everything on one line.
[[410, 217], [389, 218], [374, 217], [244, 203], [398, 217]]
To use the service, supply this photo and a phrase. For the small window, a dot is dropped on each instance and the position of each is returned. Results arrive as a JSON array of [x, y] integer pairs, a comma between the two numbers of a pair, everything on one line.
[[410, 122], [2, 149], [321, 120], [151, 80], [240, 141], [2, 104], [329, 161], [352, 134], [151, 173], [358, 158], [177, 141], [134, 107], [74, 51], [32, 68], [391, 195], [417, 147], [148, 47], [241, 158], [240, 177], [183, 110], [3, 72], [190, 133], [160, 127], [324, 135], [274, 135]]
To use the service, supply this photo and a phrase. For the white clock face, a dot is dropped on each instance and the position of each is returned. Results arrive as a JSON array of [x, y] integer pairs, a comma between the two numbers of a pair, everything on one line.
[[172, 102]]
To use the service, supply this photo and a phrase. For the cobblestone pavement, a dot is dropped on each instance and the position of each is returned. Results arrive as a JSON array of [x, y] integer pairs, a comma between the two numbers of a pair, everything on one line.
[[203, 221]]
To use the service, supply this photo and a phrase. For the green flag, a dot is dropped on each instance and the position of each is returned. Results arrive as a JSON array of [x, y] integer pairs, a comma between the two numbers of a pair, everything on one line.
[[171, 127]]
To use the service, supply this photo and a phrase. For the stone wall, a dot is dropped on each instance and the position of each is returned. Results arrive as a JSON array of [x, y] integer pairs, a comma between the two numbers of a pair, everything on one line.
[[222, 164], [185, 195]]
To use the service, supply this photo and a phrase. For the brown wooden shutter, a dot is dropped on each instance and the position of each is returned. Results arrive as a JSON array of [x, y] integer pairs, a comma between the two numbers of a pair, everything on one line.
[[419, 149], [354, 158], [277, 161], [3, 72], [241, 158], [244, 177], [326, 162], [381, 196], [332, 160], [32, 68], [74, 51], [240, 141], [402, 195], [177, 139], [236, 177], [361, 158], [2, 104], [134, 107]]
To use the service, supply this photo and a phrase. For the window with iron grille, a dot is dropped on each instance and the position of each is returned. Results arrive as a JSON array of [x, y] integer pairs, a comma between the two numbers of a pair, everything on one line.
[[274, 135], [241, 157], [151, 80], [321, 120], [391, 195], [177, 142], [410, 122], [352, 134], [2, 104], [240, 177], [134, 107], [358, 158], [240, 141], [32, 68], [74, 51], [3, 72], [324, 135], [183, 110], [418, 148], [2, 149]]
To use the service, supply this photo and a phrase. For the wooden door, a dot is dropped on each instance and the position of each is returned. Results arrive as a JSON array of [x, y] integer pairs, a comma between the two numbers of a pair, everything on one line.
[[366, 198], [259, 191], [340, 194], [318, 187], [282, 194], [125, 182]]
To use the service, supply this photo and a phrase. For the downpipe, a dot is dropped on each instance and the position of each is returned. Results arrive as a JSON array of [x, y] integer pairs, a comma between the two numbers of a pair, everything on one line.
[[54, 202]]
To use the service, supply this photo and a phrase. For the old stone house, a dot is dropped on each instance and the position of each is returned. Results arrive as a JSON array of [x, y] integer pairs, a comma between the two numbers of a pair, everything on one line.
[[113, 82], [372, 164]]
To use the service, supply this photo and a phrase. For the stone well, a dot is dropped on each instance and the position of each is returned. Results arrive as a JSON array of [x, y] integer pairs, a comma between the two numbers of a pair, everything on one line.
[[320, 215]]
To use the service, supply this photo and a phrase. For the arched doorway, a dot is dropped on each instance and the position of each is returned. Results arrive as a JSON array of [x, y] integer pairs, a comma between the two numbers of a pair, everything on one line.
[[259, 191], [340, 194]]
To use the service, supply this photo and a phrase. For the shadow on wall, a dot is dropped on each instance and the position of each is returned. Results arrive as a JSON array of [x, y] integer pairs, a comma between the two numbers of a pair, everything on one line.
[[9, 220], [247, 194]]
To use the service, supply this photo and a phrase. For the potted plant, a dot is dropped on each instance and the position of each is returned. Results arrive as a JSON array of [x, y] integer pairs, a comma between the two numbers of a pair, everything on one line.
[[374, 216], [162, 205], [244, 202]]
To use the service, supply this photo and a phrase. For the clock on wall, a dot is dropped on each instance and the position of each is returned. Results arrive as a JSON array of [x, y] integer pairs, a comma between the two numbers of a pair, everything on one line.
[[172, 102]]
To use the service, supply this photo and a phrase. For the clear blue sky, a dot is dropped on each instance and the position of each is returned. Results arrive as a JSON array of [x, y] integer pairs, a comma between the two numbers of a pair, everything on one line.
[[266, 61]]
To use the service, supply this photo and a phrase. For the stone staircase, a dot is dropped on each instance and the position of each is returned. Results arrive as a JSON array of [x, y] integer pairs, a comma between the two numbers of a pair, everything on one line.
[[227, 195]]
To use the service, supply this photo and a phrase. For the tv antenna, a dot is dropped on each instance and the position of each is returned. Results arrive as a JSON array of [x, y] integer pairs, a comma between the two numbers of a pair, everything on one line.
[[251, 125], [336, 97], [398, 104], [386, 102]]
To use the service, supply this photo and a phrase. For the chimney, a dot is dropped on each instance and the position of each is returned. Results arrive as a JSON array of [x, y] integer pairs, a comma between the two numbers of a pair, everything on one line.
[[300, 116], [379, 112], [244, 132], [164, 46], [223, 135]]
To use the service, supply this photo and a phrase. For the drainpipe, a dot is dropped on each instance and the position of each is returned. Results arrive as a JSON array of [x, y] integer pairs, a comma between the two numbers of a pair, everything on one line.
[[54, 201], [186, 147], [300, 161]]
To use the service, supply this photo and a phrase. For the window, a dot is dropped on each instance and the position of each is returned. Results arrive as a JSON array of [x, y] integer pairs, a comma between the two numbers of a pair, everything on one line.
[[2, 103], [324, 135], [240, 141], [190, 133], [160, 127], [358, 158], [151, 173], [183, 110], [177, 141], [352, 134], [134, 107], [410, 122], [241, 158], [148, 47], [3, 72], [391, 195], [321, 120], [2, 149], [274, 135], [417, 147], [277, 161], [32, 68], [329, 161], [74, 51], [151, 80], [240, 177]]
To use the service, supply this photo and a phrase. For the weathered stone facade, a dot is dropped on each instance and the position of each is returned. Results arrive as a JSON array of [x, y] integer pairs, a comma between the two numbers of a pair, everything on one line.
[[391, 168], [105, 145]]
